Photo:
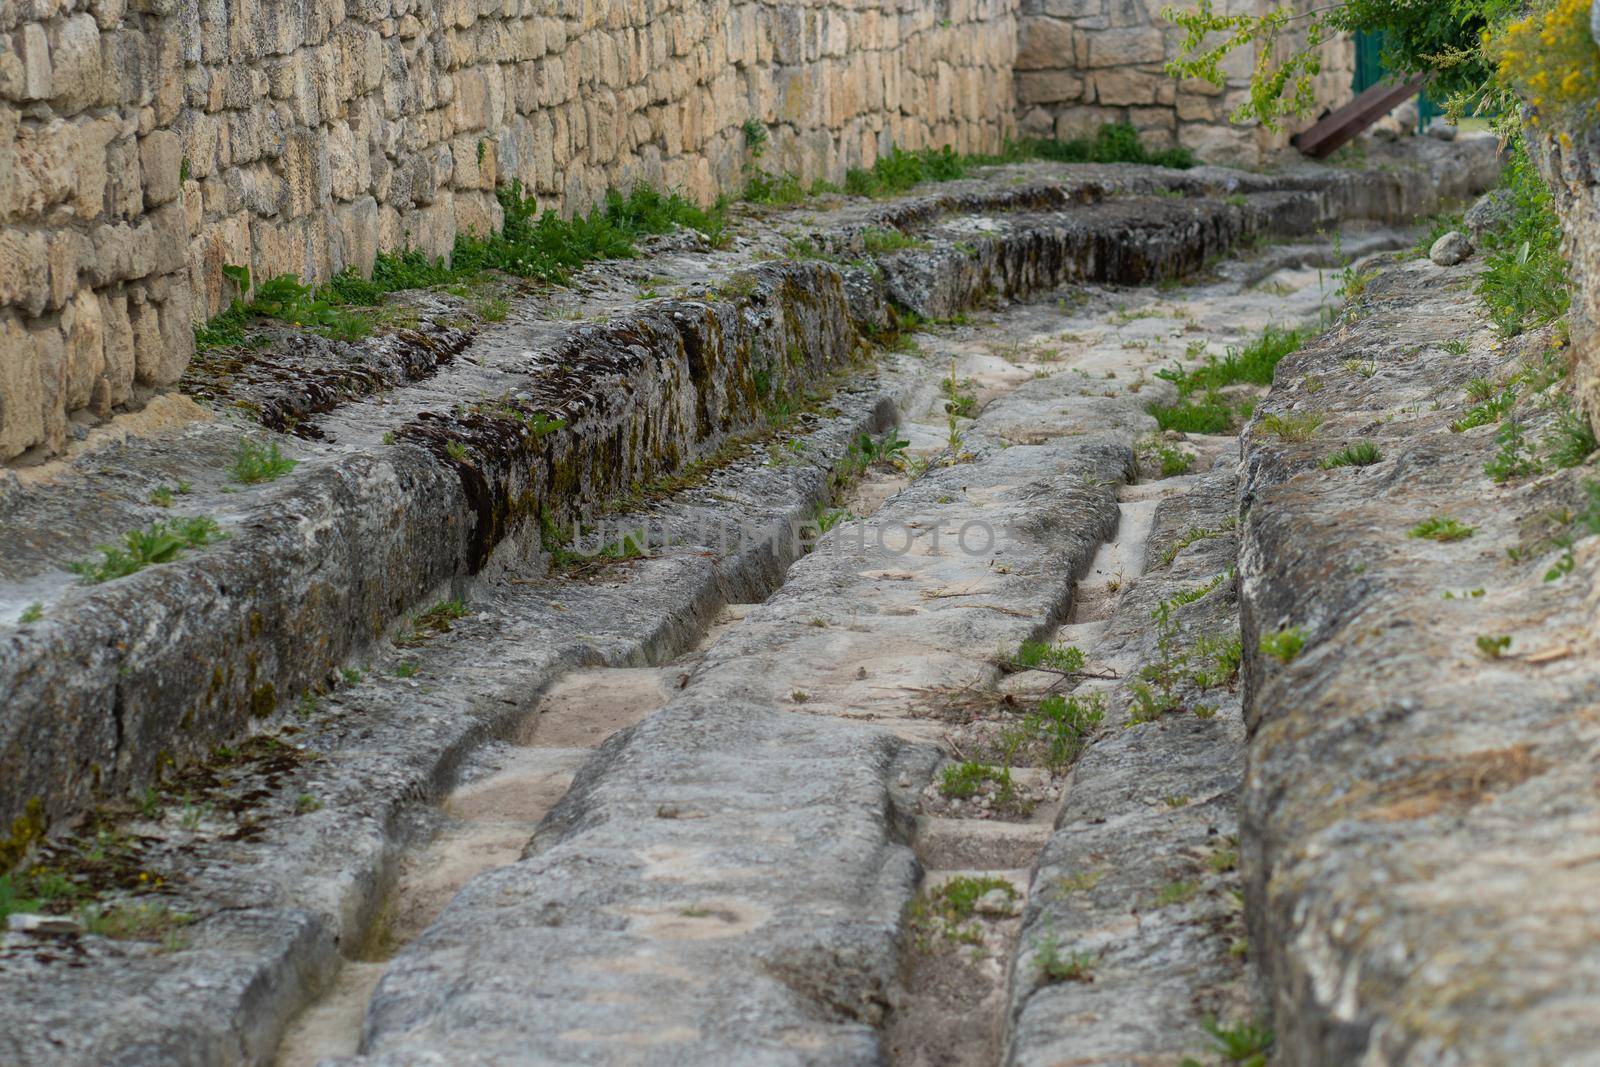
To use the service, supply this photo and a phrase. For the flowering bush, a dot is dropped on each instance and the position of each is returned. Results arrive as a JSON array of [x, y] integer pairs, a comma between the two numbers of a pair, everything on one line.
[[1551, 59]]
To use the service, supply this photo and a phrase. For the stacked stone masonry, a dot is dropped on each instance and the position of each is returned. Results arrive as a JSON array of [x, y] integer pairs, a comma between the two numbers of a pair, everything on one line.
[[1081, 63], [146, 144]]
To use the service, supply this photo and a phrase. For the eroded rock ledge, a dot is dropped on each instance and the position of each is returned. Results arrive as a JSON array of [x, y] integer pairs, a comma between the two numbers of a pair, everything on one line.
[[1420, 823]]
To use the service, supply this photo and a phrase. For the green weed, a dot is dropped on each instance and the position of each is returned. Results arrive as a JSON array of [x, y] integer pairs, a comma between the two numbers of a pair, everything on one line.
[[1064, 725], [162, 542], [1245, 1044], [1284, 644], [1042, 656], [880, 241], [1183, 541], [1253, 364], [1515, 457], [1112, 143], [1174, 461], [1212, 414], [1572, 439], [1178, 892], [1493, 646], [255, 463], [1442, 528], [1292, 427], [1360, 454], [1056, 966], [1489, 407], [1525, 279], [430, 623]]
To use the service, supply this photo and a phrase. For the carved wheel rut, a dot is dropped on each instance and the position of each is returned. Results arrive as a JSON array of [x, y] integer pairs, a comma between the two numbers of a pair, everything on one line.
[[956, 914]]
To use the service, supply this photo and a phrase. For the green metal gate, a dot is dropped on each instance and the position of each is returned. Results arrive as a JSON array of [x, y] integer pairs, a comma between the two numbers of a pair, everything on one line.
[[1370, 71]]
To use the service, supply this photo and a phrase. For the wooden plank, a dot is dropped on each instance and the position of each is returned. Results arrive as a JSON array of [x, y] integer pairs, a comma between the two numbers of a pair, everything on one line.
[[1339, 127]]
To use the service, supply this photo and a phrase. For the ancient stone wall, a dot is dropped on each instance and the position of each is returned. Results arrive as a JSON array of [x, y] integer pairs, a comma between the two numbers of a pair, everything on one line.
[[94, 291], [1571, 166], [145, 144], [1082, 63]]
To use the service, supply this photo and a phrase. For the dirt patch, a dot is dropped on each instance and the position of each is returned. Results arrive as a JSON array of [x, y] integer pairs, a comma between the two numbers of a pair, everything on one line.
[[587, 707]]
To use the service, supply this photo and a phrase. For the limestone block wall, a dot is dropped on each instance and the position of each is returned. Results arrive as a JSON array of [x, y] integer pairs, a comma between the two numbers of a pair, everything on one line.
[[1570, 164], [1082, 63], [95, 303], [145, 144]]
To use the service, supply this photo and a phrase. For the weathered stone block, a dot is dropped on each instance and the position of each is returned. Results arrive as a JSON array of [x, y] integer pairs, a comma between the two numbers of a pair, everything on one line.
[[34, 48], [1126, 85], [119, 357], [75, 63], [24, 271], [85, 348], [1113, 48], [1047, 87]]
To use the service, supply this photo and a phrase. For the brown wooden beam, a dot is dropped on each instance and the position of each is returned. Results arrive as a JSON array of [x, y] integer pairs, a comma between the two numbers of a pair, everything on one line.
[[1339, 127]]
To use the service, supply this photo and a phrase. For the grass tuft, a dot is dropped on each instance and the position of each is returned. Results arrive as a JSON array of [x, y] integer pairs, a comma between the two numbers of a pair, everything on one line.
[[1442, 528], [1360, 454], [1284, 644], [162, 542], [255, 463]]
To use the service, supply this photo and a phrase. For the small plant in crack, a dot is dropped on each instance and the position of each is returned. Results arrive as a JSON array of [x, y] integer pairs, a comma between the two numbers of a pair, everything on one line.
[[1297, 428], [1224, 655], [162, 542], [1156, 693], [1225, 856], [138, 921], [962, 780], [162, 495], [1515, 458], [1174, 461], [828, 518], [1189, 537], [1081, 882], [1058, 966], [1572, 439], [430, 623], [1488, 407], [877, 241], [1493, 646], [971, 778], [1584, 523], [1244, 1043], [1360, 454], [1283, 644], [867, 452], [1064, 725], [944, 915], [255, 463], [961, 898], [1043, 656], [960, 399], [1175, 892], [30, 614], [1199, 592], [1442, 528]]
